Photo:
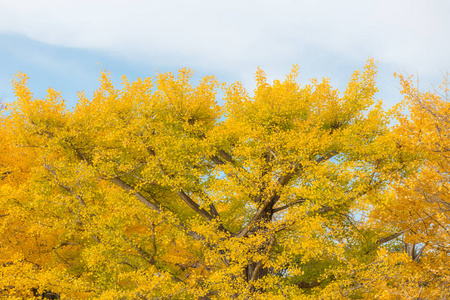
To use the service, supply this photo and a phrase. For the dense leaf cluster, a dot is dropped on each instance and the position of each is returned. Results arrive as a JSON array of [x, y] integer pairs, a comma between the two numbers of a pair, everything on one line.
[[155, 191]]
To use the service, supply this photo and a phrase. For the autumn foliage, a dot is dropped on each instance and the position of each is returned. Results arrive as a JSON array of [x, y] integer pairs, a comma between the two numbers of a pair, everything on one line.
[[158, 190]]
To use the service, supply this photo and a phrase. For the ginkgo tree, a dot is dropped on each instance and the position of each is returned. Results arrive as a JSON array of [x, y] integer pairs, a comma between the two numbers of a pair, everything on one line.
[[155, 191], [418, 212]]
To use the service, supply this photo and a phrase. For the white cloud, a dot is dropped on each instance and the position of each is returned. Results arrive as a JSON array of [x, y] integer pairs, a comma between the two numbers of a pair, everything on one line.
[[242, 34]]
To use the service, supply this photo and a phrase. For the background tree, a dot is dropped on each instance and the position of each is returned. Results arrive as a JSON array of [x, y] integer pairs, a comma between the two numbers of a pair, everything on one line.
[[147, 192], [419, 210]]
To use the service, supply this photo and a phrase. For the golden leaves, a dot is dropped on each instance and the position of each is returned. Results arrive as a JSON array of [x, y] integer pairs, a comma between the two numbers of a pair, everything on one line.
[[153, 189]]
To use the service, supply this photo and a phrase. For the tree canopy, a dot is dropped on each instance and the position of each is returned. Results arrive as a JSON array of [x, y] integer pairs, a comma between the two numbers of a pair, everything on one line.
[[158, 190]]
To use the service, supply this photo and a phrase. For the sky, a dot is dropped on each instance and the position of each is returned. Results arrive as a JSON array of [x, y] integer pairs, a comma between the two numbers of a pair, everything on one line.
[[65, 44]]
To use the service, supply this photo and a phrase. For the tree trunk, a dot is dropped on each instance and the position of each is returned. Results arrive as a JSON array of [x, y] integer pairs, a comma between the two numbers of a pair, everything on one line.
[[255, 269]]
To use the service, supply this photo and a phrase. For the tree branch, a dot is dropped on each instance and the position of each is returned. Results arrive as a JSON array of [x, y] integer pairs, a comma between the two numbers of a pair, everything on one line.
[[192, 204], [307, 285], [278, 209], [185, 197], [260, 263], [227, 157], [138, 195], [263, 208], [217, 160], [67, 188], [4, 175], [283, 180], [391, 237], [327, 156], [155, 207]]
